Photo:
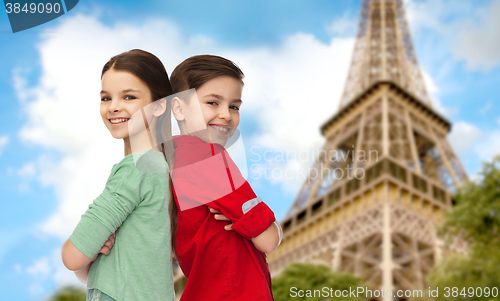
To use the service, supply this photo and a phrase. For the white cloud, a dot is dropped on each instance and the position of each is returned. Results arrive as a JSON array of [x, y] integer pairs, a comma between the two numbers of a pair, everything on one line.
[[47, 269], [463, 137], [26, 173], [3, 142], [471, 29], [486, 108], [28, 170], [489, 147], [478, 43], [18, 268], [40, 268], [342, 26], [289, 91]]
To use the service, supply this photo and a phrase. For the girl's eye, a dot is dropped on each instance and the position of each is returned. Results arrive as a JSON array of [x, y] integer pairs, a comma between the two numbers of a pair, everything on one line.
[[129, 97], [211, 102], [105, 99]]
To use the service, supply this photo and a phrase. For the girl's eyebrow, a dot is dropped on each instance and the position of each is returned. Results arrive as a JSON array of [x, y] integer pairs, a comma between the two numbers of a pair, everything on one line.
[[124, 91], [130, 90]]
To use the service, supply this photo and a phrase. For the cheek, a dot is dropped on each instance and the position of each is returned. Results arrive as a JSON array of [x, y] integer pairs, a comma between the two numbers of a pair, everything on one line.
[[102, 111], [236, 119]]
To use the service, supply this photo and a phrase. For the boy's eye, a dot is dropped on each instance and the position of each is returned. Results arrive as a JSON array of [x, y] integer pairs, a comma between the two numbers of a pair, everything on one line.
[[129, 97], [235, 108], [105, 99]]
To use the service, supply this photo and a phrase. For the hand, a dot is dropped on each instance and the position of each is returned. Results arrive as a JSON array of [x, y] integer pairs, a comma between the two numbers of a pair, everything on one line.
[[106, 248], [221, 217]]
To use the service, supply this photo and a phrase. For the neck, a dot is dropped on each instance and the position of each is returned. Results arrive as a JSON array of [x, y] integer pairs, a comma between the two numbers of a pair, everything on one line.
[[141, 143]]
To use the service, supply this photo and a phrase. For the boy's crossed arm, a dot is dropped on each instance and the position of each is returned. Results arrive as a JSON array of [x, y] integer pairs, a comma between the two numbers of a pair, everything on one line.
[[267, 242]]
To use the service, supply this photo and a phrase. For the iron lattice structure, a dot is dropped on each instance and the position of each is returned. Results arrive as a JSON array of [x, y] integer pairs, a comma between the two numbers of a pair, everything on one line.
[[384, 51], [378, 222]]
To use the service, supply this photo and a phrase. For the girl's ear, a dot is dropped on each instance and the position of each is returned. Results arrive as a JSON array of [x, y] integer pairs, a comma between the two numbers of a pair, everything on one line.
[[177, 109], [160, 107]]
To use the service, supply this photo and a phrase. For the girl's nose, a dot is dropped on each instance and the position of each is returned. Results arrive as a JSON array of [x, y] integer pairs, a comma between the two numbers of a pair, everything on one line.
[[113, 106]]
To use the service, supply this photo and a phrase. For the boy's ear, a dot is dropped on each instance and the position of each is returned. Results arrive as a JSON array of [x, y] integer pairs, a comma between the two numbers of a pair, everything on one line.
[[177, 109], [160, 107]]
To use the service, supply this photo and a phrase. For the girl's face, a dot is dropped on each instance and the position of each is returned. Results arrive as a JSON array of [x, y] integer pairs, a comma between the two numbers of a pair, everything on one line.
[[122, 95], [219, 101]]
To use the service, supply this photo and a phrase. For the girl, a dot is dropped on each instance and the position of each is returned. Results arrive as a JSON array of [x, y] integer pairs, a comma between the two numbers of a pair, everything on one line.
[[139, 266], [219, 266]]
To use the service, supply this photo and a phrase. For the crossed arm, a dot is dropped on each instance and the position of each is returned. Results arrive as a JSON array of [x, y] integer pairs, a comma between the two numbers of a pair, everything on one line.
[[74, 260], [267, 242]]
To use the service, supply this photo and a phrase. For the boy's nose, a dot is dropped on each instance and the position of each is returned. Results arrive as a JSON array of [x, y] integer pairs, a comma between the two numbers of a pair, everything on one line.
[[224, 114]]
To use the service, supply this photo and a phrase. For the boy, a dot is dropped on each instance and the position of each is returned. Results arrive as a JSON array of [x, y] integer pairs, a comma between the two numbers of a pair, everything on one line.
[[219, 266]]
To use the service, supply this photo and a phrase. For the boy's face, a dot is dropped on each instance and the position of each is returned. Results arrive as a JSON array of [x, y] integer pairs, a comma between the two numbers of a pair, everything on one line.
[[219, 101]]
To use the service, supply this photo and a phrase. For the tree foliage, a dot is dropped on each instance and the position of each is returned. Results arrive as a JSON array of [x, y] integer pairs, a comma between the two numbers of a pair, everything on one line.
[[69, 293], [306, 276], [476, 215], [476, 219]]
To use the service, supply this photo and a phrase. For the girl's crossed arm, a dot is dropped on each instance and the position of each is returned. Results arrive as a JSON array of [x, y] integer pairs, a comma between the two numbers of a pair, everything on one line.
[[69, 250]]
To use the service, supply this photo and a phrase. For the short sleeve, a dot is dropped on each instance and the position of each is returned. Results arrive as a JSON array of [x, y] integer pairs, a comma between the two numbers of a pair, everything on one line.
[[125, 189]]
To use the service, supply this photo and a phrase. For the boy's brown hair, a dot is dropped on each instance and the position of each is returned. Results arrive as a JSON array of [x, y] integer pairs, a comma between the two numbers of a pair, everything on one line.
[[199, 69], [192, 74]]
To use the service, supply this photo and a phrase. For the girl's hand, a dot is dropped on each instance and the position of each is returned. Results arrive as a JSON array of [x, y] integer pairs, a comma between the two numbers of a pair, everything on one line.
[[106, 248], [221, 217]]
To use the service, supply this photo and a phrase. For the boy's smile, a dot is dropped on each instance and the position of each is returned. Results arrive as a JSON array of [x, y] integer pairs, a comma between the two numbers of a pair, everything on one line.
[[219, 101]]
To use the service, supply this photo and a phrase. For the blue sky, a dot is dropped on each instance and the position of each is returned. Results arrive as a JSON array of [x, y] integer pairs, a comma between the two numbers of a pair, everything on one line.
[[52, 144]]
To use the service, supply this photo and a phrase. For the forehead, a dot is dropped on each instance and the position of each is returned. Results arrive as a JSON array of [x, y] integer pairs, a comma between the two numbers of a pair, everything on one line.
[[227, 87], [121, 80]]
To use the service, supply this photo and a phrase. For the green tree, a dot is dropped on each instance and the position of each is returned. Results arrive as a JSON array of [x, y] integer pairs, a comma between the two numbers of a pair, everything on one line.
[[312, 277], [476, 219], [69, 293]]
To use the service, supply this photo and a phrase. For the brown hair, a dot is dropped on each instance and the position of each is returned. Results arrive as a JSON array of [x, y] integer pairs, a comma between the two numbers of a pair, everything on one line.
[[192, 74], [148, 68]]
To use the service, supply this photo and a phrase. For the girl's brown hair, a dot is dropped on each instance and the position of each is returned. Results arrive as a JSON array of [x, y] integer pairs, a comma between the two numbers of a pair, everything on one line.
[[149, 69], [192, 74]]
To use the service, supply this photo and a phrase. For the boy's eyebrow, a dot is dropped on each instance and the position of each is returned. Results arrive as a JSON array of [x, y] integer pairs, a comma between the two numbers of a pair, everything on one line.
[[220, 97]]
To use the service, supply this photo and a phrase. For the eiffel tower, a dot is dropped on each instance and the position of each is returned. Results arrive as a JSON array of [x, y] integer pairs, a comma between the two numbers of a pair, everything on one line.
[[377, 222]]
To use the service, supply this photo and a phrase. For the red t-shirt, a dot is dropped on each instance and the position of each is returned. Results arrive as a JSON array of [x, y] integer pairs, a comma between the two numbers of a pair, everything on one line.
[[219, 264]]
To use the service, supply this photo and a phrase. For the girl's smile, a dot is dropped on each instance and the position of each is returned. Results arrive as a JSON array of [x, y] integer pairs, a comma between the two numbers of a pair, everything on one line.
[[122, 95], [118, 121]]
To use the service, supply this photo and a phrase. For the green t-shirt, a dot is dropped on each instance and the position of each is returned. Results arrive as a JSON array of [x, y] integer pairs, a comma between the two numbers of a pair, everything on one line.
[[139, 266]]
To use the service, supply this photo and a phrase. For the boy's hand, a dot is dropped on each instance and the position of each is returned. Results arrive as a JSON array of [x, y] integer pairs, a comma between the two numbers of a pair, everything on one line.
[[106, 248], [221, 217]]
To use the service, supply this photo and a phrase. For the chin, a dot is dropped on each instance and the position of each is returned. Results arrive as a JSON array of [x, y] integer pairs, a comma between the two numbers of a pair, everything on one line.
[[221, 142], [117, 136]]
